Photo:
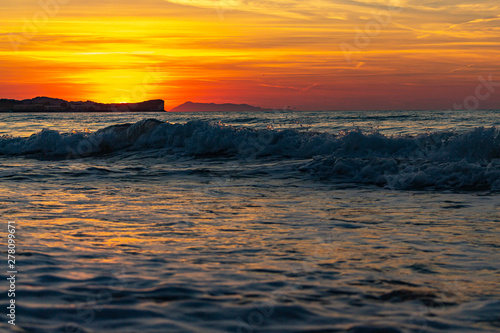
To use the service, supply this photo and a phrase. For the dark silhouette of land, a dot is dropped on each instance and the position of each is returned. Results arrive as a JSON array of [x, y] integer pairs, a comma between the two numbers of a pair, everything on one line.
[[199, 107], [47, 104]]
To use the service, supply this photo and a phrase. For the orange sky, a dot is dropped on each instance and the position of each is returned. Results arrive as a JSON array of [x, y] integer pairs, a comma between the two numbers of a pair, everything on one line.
[[401, 54]]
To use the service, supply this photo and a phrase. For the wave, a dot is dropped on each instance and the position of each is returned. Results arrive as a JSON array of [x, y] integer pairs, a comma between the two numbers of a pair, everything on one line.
[[442, 160]]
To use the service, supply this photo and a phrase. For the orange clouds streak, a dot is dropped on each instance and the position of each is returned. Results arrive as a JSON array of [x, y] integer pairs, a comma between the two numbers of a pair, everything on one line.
[[273, 55]]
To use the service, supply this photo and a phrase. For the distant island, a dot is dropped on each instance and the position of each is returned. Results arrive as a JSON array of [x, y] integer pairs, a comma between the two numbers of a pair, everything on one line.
[[199, 107], [47, 104]]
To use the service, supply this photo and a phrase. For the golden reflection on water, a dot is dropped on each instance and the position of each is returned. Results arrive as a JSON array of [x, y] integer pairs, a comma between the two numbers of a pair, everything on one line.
[[388, 237]]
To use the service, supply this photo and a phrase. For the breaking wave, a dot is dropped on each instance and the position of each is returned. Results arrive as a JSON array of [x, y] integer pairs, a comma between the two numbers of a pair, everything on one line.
[[440, 160]]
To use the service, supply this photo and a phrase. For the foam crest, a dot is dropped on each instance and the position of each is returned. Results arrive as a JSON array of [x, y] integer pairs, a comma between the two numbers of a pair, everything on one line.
[[435, 160]]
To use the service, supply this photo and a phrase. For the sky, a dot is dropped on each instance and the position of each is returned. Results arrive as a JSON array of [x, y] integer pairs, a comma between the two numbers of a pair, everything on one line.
[[302, 54]]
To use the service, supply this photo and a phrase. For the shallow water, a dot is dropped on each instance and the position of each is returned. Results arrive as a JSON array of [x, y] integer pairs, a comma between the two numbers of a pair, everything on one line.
[[206, 227]]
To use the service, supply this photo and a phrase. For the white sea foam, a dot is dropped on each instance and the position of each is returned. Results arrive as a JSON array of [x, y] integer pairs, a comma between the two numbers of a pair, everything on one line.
[[445, 160]]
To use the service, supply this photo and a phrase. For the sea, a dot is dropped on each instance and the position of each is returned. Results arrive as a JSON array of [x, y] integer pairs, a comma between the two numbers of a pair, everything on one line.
[[279, 221]]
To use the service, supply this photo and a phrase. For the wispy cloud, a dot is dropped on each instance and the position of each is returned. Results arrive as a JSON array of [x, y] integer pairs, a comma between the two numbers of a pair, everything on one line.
[[258, 51]]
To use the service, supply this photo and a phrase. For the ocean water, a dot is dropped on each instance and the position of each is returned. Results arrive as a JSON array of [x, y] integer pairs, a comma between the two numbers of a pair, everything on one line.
[[253, 222]]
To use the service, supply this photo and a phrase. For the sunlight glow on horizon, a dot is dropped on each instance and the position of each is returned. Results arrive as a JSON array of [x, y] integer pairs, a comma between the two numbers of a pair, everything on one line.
[[420, 56]]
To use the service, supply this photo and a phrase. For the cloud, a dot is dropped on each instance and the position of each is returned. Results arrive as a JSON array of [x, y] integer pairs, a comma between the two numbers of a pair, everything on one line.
[[339, 8], [292, 46]]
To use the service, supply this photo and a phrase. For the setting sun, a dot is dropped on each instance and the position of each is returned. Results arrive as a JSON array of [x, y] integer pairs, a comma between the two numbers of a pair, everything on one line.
[[314, 55]]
